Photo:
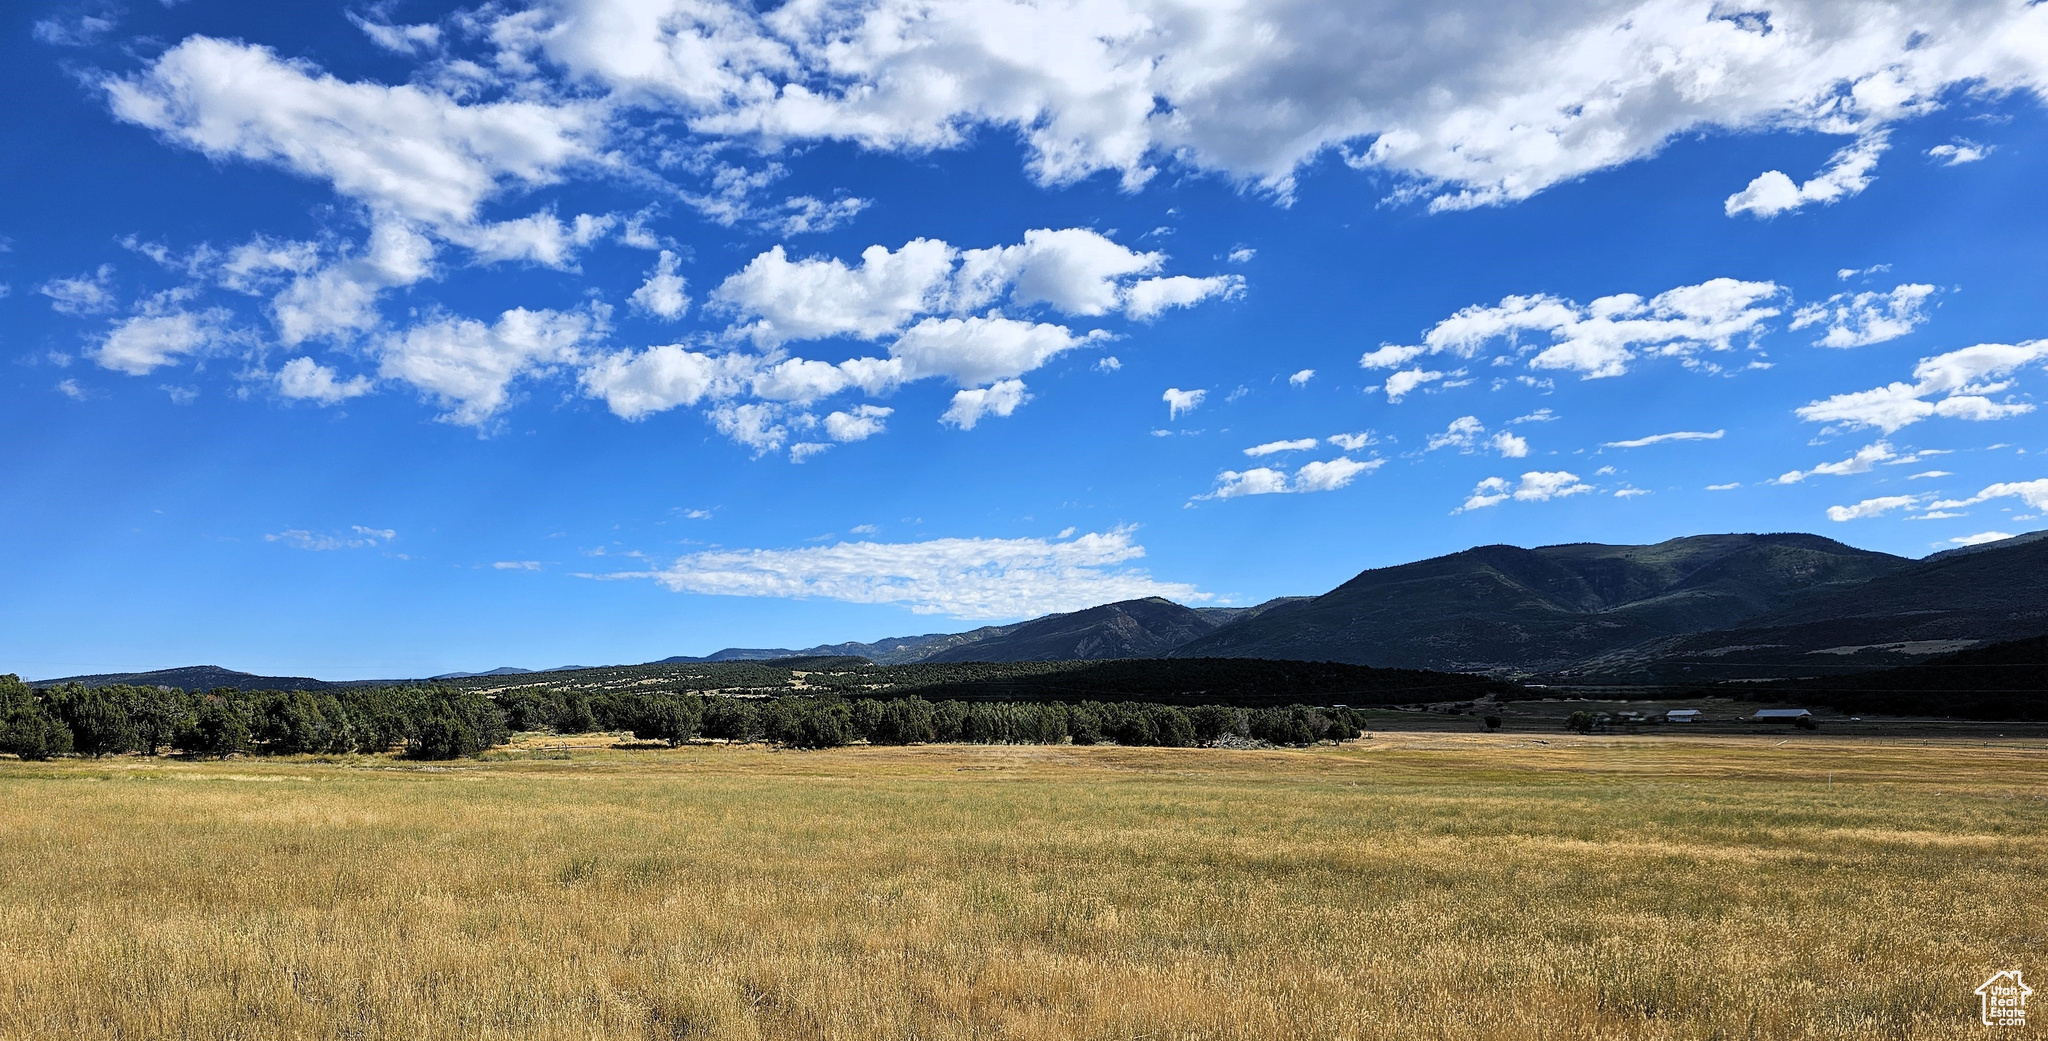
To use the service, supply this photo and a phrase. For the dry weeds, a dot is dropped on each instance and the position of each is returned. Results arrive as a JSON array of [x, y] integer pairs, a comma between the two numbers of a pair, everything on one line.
[[1403, 887]]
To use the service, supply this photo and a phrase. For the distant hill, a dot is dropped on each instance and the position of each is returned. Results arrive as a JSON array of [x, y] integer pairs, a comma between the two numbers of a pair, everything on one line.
[[1129, 629], [1508, 609], [1942, 604], [2006, 680], [1690, 610], [194, 677]]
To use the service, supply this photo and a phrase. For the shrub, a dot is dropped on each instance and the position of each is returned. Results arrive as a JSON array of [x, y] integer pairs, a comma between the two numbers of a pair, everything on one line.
[[1581, 721], [1493, 722], [98, 719]]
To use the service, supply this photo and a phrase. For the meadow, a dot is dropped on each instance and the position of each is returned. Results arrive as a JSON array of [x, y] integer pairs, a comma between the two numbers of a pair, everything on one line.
[[1404, 886]]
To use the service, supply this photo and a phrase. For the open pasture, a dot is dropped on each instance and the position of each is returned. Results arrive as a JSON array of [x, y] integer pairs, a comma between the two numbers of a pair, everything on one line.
[[1410, 885]]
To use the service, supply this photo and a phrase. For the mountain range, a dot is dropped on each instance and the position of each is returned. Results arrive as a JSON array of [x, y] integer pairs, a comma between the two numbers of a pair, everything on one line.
[[1700, 608], [1704, 607]]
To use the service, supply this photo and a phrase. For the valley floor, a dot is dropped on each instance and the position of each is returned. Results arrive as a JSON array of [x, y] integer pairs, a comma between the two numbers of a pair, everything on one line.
[[1414, 885]]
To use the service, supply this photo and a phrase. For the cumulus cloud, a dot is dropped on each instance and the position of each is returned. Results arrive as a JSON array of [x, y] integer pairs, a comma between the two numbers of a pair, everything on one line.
[[1956, 385], [1300, 379], [1978, 539], [856, 424], [1353, 442], [1847, 173], [662, 294], [1181, 402], [83, 295], [468, 367], [998, 399], [1873, 507], [1504, 105], [1958, 152], [637, 384], [1467, 434], [1597, 339], [1075, 271], [1535, 486], [148, 342], [1865, 318], [1865, 458], [1271, 447], [1676, 435], [963, 578], [304, 379], [2033, 493], [1320, 476], [1401, 384], [406, 151], [1148, 298]]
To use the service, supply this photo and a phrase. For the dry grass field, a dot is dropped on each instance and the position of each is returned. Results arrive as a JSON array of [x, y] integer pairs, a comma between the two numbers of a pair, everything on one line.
[[1407, 886]]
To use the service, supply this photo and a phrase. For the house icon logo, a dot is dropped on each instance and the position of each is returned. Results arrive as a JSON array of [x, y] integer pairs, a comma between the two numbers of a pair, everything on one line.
[[2004, 999]]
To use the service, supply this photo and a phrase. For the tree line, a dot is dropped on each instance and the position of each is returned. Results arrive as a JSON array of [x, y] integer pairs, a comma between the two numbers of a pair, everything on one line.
[[438, 722]]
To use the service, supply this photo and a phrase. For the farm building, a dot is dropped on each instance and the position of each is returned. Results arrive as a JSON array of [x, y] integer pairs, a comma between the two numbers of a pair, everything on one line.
[[1780, 715], [1682, 715]]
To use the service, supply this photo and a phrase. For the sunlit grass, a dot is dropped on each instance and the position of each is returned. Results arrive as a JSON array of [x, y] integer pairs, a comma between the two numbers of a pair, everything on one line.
[[1422, 886]]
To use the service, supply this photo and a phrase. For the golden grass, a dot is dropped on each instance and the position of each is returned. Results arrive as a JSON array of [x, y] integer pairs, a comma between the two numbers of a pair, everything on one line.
[[1402, 887]]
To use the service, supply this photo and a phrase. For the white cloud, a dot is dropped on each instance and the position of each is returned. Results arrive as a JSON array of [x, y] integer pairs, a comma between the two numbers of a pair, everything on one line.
[[1959, 152], [1241, 255], [1180, 402], [468, 367], [1319, 476], [1401, 384], [757, 426], [1600, 338], [358, 537], [146, 342], [1108, 363], [516, 565], [1535, 486], [1931, 473], [1630, 493], [70, 389], [1847, 173], [856, 424], [662, 294], [1073, 270], [81, 31], [998, 399], [1271, 447], [1510, 446], [1353, 442], [1148, 298], [963, 578], [1541, 415], [1300, 379], [1959, 383], [1676, 435], [1465, 104], [336, 301], [1867, 318], [1724, 487], [635, 385], [1978, 539], [307, 380], [1461, 434], [399, 39], [84, 295], [972, 351], [1873, 507], [818, 297], [1865, 458], [407, 151], [2033, 493]]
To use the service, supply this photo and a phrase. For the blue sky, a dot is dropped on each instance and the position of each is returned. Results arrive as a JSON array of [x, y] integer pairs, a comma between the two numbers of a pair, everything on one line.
[[395, 338]]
